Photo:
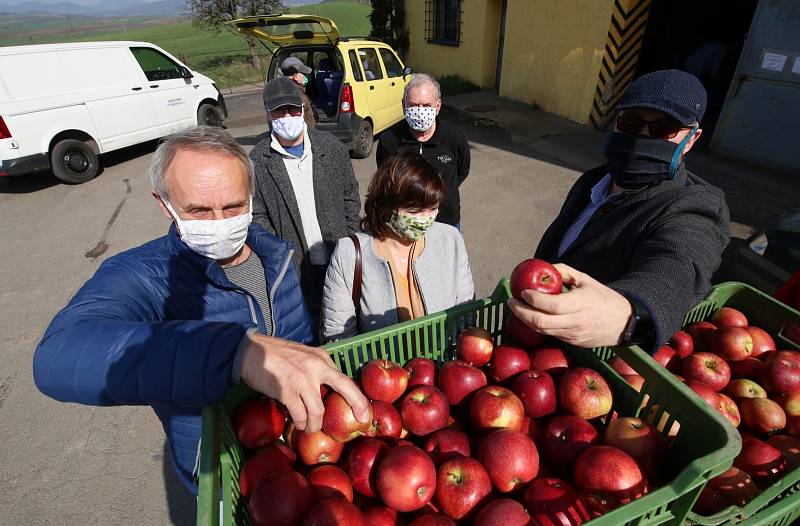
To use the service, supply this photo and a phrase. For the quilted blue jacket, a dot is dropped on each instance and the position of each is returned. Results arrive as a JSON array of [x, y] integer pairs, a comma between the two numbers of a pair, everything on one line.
[[160, 325]]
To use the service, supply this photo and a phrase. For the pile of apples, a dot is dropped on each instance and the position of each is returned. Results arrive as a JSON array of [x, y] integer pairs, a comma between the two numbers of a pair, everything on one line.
[[505, 435], [736, 368]]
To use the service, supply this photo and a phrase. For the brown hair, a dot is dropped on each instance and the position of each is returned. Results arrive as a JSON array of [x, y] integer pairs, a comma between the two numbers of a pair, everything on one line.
[[403, 180]]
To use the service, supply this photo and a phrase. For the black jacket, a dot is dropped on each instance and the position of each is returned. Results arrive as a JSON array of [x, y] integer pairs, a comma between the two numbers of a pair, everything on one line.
[[447, 150], [335, 197], [659, 245]]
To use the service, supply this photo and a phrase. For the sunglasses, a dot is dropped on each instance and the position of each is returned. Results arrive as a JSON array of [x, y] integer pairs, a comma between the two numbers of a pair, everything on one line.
[[664, 128], [294, 111]]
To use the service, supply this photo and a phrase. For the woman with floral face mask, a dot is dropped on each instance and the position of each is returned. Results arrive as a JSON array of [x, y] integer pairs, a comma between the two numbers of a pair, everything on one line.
[[410, 265]]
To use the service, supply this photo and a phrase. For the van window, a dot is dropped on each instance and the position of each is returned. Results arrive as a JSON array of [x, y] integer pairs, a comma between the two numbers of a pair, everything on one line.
[[356, 66], [156, 65], [390, 62], [372, 67]]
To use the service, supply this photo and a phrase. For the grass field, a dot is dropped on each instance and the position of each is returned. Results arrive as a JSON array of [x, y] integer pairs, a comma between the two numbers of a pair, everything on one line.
[[221, 55]]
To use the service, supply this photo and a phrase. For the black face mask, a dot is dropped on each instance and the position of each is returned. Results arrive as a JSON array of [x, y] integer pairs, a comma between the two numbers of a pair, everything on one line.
[[636, 161]]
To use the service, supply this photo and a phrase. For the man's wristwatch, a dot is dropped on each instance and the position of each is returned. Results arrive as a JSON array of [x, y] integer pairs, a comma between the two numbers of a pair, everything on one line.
[[640, 329]]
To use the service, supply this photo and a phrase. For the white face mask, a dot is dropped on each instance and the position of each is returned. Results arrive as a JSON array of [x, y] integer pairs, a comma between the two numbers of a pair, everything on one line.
[[216, 238], [289, 127], [420, 118]]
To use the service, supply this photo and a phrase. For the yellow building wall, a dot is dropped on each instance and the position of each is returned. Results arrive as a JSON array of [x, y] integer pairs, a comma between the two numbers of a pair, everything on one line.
[[474, 59], [552, 53]]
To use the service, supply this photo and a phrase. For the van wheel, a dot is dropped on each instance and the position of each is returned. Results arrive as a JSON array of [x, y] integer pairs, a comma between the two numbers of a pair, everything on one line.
[[363, 145], [209, 115], [74, 161]]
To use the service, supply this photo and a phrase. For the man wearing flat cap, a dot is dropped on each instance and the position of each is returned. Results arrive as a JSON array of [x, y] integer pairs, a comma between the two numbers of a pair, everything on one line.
[[293, 68], [638, 238], [305, 189]]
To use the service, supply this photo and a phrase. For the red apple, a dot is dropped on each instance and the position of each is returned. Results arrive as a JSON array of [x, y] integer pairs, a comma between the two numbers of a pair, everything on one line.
[[519, 333], [433, 519], [700, 331], [619, 365], [535, 274], [259, 421], [446, 444], [705, 391], [424, 410], [335, 513], [554, 502], [743, 388], [459, 379], [732, 343], [339, 422], [762, 415], [607, 478], [707, 368], [667, 357], [383, 380], [565, 438], [494, 407], [790, 404], [461, 485], [640, 440], [386, 421], [747, 368], [423, 371], [510, 457], [382, 516], [710, 502], [728, 408], [728, 317], [781, 372], [762, 342], [585, 393], [362, 465], [280, 500], [329, 482], [637, 382], [551, 360], [475, 346], [406, 478], [273, 459], [789, 446], [735, 486], [503, 512], [508, 361], [314, 448], [681, 341], [537, 391], [763, 462]]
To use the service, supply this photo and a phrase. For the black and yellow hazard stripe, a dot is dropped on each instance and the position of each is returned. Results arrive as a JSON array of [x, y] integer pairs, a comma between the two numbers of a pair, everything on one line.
[[623, 44]]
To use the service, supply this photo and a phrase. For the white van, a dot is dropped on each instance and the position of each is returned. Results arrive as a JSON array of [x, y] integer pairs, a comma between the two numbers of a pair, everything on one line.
[[61, 105]]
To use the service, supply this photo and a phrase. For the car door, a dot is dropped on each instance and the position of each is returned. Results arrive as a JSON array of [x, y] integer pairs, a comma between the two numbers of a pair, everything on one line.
[[358, 86], [174, 98], [376, 87], [396, 84], [114, 95]]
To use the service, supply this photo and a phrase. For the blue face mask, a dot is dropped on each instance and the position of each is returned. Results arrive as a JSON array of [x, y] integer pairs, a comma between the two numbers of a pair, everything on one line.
[[636, 161]]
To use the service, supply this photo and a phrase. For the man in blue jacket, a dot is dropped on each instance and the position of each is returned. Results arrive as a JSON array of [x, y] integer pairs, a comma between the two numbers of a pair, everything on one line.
[[177, 321]]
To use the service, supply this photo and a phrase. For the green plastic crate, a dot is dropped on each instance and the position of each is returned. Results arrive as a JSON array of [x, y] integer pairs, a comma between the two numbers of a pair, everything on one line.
[[779, 504], [705, 446]]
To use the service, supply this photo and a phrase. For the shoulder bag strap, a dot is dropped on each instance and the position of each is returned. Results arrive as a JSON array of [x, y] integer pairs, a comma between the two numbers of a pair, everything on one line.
[[357, 280]]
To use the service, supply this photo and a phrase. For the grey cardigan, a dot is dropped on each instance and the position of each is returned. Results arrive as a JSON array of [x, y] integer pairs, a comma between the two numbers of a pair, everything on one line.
[[442, 272]]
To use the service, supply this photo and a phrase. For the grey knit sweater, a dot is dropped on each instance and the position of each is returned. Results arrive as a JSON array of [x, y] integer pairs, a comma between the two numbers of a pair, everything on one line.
[[442, 272]]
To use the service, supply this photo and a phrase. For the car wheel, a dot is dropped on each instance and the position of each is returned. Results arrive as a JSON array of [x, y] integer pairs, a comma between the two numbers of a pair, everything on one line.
[[74, 161], [209, 115], [364, 139]]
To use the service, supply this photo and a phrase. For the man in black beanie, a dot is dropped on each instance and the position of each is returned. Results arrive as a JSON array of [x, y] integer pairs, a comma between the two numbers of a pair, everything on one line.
[[638, 238]]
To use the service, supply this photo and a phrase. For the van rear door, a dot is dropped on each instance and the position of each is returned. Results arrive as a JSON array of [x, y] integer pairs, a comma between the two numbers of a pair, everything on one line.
[[115, 96], [173, 96]]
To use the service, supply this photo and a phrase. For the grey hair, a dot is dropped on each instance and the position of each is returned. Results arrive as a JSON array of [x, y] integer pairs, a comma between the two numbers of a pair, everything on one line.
[[418, 79], [196, 138]]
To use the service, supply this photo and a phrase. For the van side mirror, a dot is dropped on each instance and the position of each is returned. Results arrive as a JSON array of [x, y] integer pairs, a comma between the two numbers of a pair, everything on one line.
[[185, 73], [406, 72]]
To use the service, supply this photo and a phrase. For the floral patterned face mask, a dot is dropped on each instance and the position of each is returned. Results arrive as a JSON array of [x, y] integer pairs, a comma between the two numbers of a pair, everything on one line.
[[412, 227]]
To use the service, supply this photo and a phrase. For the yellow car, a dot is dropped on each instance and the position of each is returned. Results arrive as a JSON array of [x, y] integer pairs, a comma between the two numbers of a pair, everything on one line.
[[356, 84]]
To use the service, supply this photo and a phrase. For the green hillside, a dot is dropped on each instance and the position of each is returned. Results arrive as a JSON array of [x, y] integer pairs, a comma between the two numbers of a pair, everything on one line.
[[221, 55]]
